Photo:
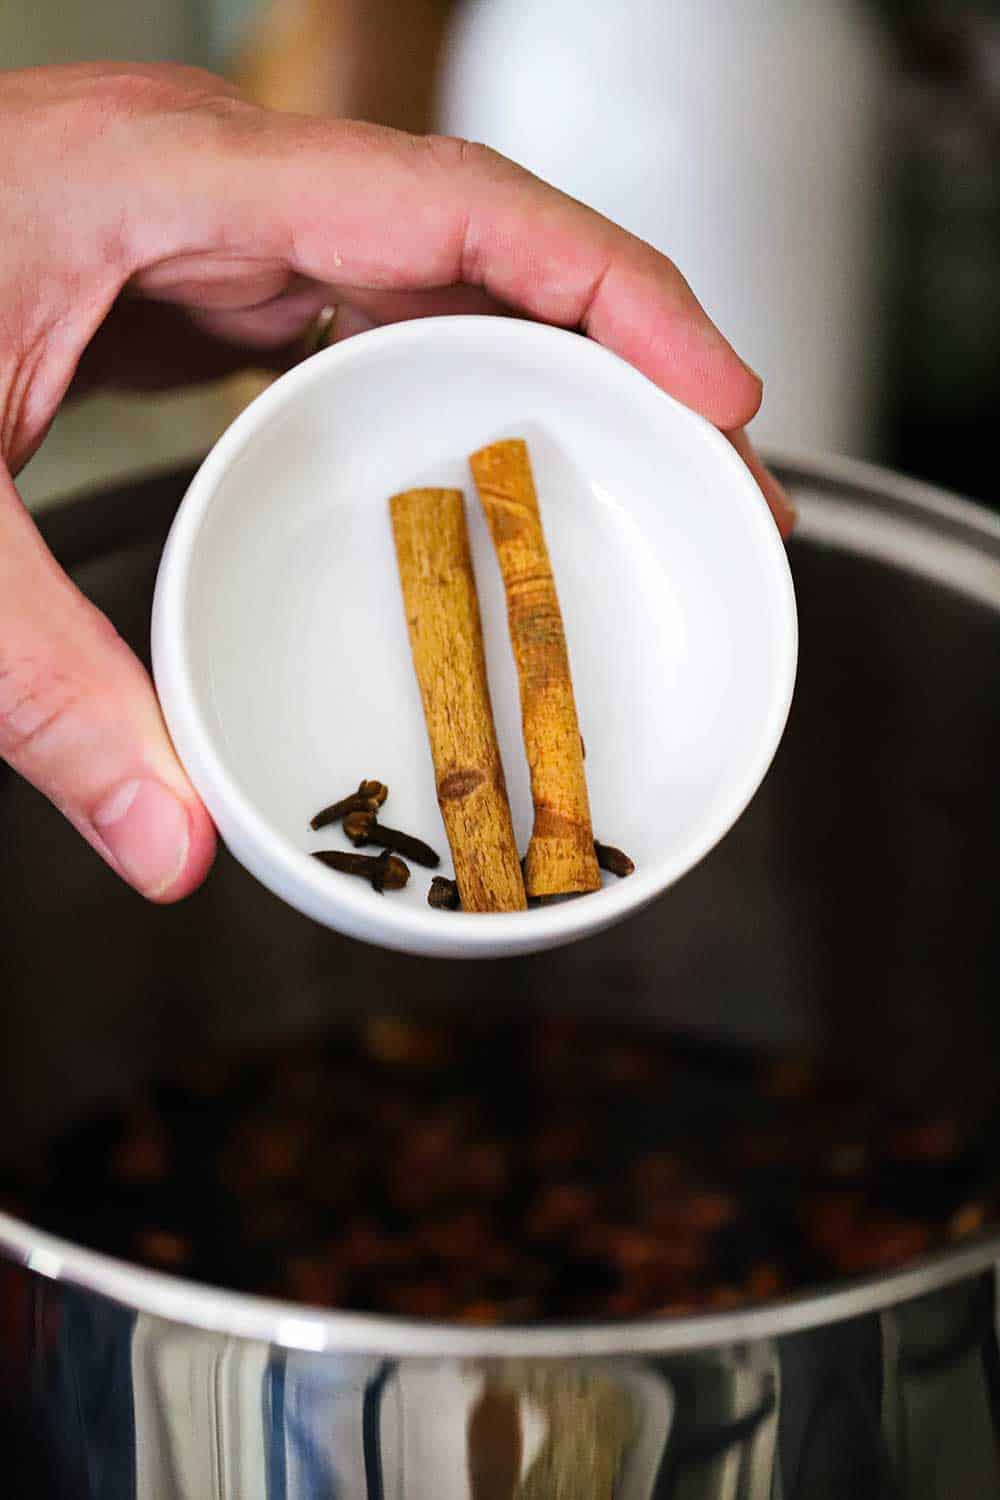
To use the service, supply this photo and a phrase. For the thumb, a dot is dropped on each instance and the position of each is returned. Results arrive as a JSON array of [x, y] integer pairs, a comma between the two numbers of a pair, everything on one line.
[[79, 719]]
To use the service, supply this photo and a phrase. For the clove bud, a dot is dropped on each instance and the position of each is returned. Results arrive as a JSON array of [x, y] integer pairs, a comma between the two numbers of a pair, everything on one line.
[[443, 894], [384, 871], [362, 827], [613, 860], [369, 797]]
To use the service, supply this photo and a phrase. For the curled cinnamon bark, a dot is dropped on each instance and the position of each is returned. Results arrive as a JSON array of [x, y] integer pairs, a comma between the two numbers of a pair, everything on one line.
[[446, 639], [560, 858]]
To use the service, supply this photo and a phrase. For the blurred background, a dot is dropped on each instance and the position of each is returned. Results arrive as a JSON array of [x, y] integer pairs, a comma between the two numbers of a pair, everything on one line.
[[825, 173]]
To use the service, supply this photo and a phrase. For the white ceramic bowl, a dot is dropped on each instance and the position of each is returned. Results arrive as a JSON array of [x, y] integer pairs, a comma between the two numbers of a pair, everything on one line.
[[280, 648]]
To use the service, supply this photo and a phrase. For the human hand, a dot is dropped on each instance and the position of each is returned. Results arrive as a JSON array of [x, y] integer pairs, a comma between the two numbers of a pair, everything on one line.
[[155, 227]]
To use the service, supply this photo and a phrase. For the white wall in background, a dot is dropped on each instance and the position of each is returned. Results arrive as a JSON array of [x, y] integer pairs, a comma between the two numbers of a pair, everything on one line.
[[742, 137]]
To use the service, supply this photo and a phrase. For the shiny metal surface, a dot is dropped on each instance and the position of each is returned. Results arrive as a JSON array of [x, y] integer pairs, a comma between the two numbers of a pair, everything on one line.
[[853, 909]]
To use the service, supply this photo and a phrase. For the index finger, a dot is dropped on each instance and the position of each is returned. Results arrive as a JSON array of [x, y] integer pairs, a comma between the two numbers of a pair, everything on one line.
[[358, 206]]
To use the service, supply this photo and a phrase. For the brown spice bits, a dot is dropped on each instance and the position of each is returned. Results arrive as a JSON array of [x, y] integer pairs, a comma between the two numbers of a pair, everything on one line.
[[701, 1211], [848, 1160], [395, 1042], [926, 1141], [658, 1257], [882, 1242], [484, 1170], [560, 1209], [475, 1171], [316, 1280], [725, 1298], [560, 859], [419, 1299], [163, 1248], [369, 797], [384, 871], [458, 1238], [143, 1154], [857, 1239], [764, 1281], [791, 1078], [446, 640], [969, 1219], [481, 1314], [274, 1151]]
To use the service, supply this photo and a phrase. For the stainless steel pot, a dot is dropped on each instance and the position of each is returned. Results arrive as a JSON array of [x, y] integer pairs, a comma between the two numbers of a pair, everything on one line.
[[854, 909]]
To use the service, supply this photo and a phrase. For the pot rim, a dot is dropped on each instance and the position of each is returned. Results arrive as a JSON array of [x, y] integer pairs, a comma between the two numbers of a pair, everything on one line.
[[315, 1330], [845, 503]]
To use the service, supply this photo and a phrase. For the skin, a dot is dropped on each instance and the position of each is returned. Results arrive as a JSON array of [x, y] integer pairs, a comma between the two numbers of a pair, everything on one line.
[[156, 227]]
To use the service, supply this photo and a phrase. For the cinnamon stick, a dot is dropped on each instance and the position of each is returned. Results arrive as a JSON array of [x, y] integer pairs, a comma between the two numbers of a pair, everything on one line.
[[560, 858], [446, 639]]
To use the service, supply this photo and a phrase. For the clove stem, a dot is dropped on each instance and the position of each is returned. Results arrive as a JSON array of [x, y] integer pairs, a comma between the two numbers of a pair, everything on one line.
[[384, 871], [364, 828], [368, 798]]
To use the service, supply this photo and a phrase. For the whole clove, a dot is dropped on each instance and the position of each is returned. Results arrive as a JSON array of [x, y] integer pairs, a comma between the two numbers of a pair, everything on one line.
[[369, 797], [363, 827], [142, 1157], [969, 1219], [384, 871], [613, 860], [163, 1248], [443, 894]]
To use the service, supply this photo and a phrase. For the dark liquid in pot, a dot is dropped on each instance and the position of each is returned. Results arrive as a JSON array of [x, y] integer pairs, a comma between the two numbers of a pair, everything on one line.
[[542, 1171]]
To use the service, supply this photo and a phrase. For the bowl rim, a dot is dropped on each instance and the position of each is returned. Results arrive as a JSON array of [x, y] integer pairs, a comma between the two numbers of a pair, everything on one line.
[[866, 496], [291, 873]]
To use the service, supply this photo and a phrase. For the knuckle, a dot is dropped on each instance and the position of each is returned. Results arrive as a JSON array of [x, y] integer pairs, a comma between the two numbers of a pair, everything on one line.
[[162, 88], [149, 107], [37, 702], [456, 154], [444, 150]]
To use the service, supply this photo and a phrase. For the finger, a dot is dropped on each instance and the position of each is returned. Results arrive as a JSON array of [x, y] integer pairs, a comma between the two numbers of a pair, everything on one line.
[[401, 307], [260, 327], [157, 345], [78, 719], [370, 209], [773, 490], [151, 346], [271, 323]]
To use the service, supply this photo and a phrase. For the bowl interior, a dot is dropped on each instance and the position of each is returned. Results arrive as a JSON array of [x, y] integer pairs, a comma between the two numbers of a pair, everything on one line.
[[294, 678]]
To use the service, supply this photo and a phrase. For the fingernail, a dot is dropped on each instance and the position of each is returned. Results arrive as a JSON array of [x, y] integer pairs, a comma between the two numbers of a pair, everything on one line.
[[146, 829]]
